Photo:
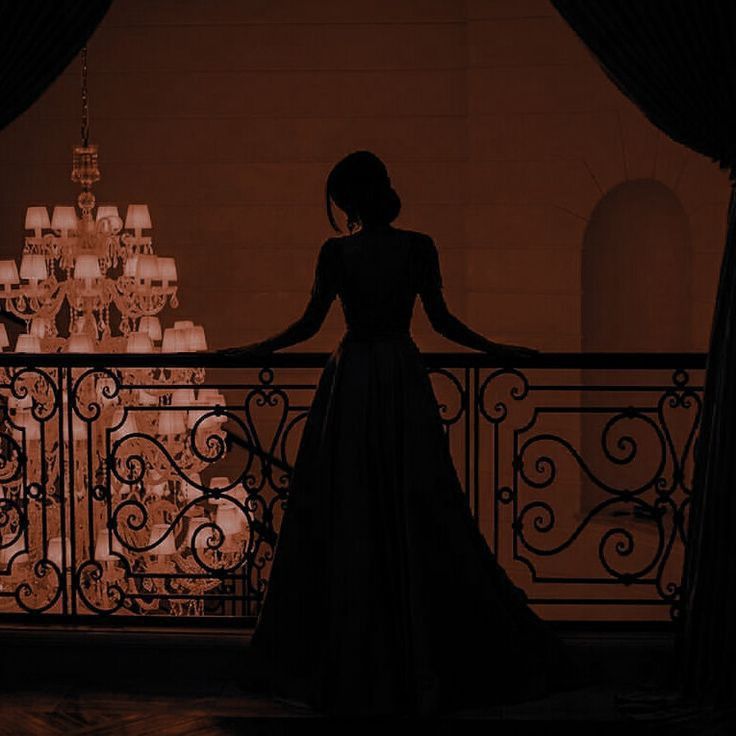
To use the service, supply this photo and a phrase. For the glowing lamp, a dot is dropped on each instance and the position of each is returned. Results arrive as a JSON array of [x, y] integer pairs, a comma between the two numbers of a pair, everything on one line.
[[191, 492], [174, 341], [158, 490], [167, 269], [7, 553], [139, 342], [28, 344], [200, 540], [137, 217], [197, 339], [171, 423], [33, 267], [152, 326], [87, 267], [183, 397], [55, 551], [8, 274], [145, 398], [164, 545], [127, 427], [131, 265], [107, 212], [146, 268], [230, 519], [103, 552], [37, 218], [4, 342], [63, 219], [80, 343]]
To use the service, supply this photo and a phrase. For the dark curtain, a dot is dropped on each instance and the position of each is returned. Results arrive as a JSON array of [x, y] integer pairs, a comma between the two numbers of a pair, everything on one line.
[[676, 60], [38, 39]]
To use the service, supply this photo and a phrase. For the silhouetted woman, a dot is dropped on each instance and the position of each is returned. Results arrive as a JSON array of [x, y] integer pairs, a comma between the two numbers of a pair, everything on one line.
[[383, 595]]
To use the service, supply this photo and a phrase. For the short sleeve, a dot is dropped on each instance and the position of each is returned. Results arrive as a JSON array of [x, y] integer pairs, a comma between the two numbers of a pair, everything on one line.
[[326, 273], [427, 266]]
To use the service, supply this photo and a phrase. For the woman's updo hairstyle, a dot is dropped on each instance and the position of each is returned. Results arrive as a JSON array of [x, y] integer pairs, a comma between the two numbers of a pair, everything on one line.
[[360, 186]]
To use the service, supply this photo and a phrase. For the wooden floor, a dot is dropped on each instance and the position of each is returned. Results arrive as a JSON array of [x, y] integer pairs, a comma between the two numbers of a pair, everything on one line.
[[134, 712], [166, 683]]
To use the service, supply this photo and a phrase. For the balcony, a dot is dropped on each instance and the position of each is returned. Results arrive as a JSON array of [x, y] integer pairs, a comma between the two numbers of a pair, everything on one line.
[[147, 489]]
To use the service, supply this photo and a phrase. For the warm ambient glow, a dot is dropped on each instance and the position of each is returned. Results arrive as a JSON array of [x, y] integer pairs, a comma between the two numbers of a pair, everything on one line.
[[93, 260]]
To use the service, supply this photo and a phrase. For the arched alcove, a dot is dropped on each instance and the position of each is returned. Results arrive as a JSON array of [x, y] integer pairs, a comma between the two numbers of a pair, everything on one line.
[[636, 271], [636, 283]]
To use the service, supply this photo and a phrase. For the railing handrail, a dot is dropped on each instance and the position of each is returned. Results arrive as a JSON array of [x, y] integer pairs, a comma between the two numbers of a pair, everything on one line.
[[627, 360]]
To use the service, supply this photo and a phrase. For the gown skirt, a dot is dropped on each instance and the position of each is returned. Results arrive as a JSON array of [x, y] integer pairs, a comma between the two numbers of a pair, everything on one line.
[[384, 597]]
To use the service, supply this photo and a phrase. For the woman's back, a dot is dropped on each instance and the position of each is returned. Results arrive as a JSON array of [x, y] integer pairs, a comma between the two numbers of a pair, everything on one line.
[[377, 274]]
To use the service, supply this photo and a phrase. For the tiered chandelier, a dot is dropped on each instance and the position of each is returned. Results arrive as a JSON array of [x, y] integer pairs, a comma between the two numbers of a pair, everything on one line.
[[99, 264], [94, 261]]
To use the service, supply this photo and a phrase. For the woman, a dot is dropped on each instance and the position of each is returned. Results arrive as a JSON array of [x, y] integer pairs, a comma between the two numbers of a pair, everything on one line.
[[383, 595]]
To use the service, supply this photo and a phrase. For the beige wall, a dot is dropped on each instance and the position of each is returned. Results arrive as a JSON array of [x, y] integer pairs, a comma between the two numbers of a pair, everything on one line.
[[501, 134]]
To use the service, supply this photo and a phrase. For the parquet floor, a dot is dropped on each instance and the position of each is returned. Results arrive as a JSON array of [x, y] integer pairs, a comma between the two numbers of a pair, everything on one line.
[[132, 711]]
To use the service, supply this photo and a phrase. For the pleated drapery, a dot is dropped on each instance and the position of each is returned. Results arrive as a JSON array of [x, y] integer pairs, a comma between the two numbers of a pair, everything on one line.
[[676, 60], [38, 40]]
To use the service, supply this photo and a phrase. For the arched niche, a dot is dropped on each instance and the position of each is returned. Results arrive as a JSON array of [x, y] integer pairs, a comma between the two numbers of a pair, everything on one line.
[[636, 271], [636, 284]]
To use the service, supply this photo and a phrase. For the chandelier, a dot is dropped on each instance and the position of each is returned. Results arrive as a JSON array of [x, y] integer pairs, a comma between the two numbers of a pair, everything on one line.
[[100, 265], [178, 528]]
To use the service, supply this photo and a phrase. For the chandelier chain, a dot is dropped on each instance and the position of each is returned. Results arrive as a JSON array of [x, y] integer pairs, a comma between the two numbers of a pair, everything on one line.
[[85, 100]]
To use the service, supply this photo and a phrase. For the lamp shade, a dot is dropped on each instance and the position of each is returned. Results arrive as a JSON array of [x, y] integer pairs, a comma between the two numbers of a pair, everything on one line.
[[103, 550], [191, 492], [80, 343], [55, 548], [63, 218], [183, 324], [33, 267], [4, 342], [107, 211], [139, 342], [129, 426], [174, 341], [137, 217], [211, 397], [197, 339], [171, 423], [7, 552], [146, 398], [146, 268], [151, 325], [183, 397], [87, 267], [230, 519], [164, 546], [37, 218], [8, 272], [200, 540], [28, 344], [158, 489], [131, 266], [167, 268]]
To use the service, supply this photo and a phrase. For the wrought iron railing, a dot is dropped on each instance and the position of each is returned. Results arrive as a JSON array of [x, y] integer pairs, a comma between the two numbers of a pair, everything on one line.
[[125, 494]]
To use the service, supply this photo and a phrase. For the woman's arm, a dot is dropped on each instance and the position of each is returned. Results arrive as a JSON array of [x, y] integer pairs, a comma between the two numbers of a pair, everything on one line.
[[446, 323], [324, 291]]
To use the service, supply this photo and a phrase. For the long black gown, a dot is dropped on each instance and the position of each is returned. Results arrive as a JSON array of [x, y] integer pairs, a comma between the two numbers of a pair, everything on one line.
[[384, 596]]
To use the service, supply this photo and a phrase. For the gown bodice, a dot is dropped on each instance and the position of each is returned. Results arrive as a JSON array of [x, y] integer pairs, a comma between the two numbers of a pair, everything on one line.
[[377, 275]]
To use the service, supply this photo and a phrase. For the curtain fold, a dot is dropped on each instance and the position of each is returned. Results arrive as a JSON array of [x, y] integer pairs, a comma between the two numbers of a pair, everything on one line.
[[676, 60], [38, 40]]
